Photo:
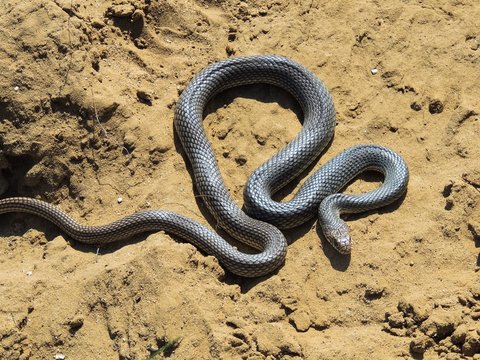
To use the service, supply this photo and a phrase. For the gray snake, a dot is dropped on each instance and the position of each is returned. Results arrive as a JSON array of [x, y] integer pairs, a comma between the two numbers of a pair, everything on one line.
[[260, 228]]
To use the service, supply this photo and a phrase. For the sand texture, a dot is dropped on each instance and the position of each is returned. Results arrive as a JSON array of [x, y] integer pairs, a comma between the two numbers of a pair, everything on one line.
[[88, 94]]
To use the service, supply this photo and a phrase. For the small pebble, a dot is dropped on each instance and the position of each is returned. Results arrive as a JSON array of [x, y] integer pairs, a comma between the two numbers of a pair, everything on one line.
[[16, 88], [301, 320], [374, 71], [119, 199], [29, 273], [59, 357], [152, 348], [121, 10]]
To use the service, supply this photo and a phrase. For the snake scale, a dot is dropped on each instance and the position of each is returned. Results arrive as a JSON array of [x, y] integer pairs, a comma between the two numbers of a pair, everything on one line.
[[260, 228]]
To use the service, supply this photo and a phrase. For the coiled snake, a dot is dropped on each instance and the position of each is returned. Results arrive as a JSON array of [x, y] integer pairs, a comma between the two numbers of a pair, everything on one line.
[[259, 229]]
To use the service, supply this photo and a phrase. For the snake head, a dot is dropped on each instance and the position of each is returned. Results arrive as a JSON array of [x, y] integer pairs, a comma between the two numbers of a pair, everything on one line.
[[339, 237]]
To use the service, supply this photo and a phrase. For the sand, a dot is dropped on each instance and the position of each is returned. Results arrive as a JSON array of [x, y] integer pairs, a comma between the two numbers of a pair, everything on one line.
[[88, 93]]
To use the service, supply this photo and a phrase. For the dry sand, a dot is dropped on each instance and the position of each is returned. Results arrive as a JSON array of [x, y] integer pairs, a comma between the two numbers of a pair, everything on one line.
[[88, 91]]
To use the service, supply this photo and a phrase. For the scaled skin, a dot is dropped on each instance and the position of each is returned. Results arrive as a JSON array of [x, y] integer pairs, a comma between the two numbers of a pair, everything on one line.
[[339, 237]]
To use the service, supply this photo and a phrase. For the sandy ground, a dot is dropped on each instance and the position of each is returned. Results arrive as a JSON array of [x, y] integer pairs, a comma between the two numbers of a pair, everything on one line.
[[88, 91]]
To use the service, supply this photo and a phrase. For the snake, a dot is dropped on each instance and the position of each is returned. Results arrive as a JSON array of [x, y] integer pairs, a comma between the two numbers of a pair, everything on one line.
[[258, 223]]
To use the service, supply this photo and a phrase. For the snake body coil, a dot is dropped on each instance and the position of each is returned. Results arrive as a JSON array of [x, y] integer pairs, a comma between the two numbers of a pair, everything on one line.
[[260, 230]]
